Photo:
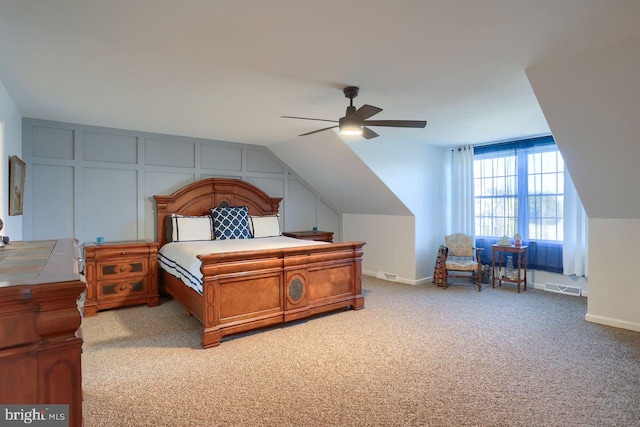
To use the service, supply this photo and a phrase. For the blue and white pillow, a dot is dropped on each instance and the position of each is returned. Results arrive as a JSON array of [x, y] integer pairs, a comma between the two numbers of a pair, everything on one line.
[[231, 222]]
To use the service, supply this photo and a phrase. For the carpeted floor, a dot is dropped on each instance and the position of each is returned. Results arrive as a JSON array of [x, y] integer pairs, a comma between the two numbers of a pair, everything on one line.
[[415, 356]]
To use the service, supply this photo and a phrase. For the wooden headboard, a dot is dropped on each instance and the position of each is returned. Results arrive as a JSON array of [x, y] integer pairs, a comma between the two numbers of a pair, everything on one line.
[[199, 197]]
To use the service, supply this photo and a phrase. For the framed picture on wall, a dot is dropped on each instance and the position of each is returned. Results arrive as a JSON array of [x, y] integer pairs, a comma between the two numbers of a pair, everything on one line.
[[16, 185]]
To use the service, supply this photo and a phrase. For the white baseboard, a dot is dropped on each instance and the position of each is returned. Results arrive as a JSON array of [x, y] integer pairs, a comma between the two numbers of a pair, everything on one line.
[[616, 323], [394, 278]]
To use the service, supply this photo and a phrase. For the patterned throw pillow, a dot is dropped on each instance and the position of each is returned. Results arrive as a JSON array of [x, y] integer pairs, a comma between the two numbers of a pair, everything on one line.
[[231, 222]]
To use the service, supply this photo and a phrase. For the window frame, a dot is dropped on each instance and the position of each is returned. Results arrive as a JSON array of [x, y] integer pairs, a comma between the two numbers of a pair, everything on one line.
[[542, 254]]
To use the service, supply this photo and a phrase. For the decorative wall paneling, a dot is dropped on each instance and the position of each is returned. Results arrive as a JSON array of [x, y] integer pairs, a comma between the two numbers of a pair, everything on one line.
[[85, 181]]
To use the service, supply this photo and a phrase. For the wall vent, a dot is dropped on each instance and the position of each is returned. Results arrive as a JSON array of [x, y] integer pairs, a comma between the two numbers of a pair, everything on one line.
[[387, 276], [563, 289]]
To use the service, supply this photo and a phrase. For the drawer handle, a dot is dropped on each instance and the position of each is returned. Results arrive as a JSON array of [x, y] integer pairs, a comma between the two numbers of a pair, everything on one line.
[[123, 253], [122, 268], [123, 287]]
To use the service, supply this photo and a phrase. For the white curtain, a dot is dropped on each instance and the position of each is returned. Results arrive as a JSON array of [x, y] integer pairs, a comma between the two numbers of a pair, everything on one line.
[[462, 197], [576, 237]]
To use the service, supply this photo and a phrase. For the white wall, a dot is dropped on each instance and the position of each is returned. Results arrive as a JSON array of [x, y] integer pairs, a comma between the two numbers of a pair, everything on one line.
[[10, 145], [416, 174], [591, 102], [390, 244], [614, 294]]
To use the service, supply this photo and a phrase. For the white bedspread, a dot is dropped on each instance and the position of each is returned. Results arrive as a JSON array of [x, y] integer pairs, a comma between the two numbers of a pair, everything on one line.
[[179, 258]]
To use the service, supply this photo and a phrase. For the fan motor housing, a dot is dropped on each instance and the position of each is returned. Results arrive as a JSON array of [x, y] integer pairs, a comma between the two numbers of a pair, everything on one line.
[[351, 91]]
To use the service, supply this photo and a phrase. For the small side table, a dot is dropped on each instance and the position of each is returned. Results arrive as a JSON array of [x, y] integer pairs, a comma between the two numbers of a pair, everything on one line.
[[322, 236], [521, 260]]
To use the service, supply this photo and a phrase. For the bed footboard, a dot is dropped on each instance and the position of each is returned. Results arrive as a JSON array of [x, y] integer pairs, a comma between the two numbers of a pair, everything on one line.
[[250, 290]]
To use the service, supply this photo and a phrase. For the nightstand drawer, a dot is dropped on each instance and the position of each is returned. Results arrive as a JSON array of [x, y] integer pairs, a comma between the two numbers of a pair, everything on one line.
[[104, 253], [122, 268], [124, 289]]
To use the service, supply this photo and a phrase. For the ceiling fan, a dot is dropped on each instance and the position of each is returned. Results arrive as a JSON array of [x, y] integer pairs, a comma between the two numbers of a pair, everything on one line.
[[355, 121]]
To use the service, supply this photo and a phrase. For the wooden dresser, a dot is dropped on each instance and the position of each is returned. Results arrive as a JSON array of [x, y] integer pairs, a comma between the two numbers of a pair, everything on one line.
[[40, 347], [120, 274]]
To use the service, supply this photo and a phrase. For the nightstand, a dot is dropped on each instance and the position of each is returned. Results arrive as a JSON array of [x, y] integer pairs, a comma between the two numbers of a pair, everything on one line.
[[323, 236], [120, 274]]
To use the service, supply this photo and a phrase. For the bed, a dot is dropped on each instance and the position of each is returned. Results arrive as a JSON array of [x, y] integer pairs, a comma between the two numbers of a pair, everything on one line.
[[247, 288]]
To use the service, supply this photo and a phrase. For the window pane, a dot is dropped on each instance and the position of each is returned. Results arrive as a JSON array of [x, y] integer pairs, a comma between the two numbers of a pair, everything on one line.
[[549, 183], [498, 203], [487, 187], [534, 207], [534, 163], [499, 170], [549, 162], [498, 207], [561, 182], [485, 207], [549, 231], [549, 207], [511, 185], [535, 183]]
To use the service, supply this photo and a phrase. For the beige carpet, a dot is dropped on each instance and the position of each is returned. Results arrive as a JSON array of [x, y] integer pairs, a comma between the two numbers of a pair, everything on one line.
[[416, 355]]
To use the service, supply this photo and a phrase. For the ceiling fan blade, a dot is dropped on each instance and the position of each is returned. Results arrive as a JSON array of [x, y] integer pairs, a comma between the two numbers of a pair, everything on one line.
[[365, 112], [368, 133], [319, 130], [308, 118], [397, 123]]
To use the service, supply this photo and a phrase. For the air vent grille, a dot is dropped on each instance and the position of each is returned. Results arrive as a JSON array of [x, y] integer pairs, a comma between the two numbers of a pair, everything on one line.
[[387, 276], [563, 289]]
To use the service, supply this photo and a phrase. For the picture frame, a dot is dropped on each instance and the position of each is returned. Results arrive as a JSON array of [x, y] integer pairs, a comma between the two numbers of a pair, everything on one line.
[[17, 170]]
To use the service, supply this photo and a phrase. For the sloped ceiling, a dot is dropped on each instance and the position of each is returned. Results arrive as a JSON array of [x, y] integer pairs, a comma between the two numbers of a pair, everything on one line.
[[339, 175], [592, 102], [227, 70]]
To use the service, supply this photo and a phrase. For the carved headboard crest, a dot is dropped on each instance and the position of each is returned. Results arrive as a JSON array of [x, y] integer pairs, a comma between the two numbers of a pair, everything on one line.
[[199, 197]]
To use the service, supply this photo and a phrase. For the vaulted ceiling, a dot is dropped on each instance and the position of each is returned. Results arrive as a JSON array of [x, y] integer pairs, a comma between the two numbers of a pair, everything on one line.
[[228, 70]]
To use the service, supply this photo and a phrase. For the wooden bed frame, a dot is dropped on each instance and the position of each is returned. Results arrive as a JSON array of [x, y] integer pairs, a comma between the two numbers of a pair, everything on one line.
[[253, 289]]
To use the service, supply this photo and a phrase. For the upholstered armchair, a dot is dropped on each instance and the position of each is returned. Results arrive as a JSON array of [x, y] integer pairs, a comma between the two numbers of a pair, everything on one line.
[[461, 259]]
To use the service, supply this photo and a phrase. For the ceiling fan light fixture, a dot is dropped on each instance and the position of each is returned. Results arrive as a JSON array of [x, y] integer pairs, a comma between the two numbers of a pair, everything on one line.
[[356, 121], [350, 127]]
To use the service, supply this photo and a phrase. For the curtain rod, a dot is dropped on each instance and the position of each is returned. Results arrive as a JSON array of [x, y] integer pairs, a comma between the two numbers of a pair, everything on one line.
[[524, 142]]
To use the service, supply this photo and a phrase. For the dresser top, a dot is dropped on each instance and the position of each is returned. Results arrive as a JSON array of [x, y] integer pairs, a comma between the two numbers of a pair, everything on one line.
[[51, 264]]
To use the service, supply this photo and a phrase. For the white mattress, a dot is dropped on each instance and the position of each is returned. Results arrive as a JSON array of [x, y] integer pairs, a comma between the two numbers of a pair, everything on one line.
[[179, 258]]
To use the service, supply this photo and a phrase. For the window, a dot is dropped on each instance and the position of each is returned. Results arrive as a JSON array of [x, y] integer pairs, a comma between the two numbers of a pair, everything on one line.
[[519, 188], [496, 194], [545, 195]]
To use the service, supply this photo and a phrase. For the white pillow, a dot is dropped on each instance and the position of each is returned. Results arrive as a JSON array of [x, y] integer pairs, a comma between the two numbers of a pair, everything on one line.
[[265, 226], [190, 228]]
